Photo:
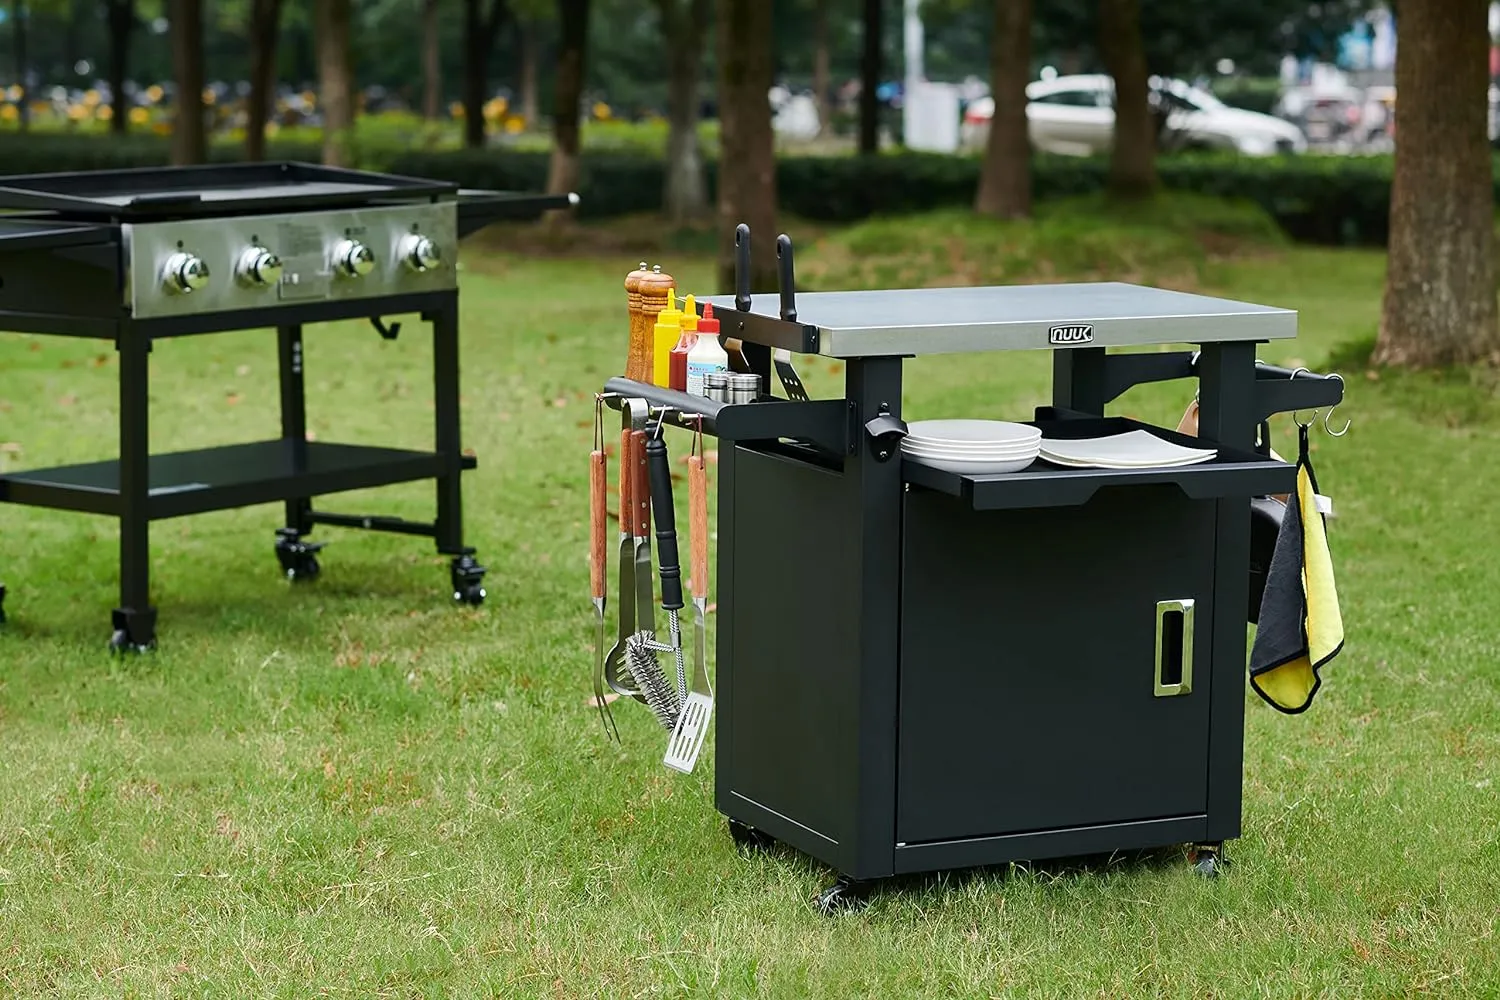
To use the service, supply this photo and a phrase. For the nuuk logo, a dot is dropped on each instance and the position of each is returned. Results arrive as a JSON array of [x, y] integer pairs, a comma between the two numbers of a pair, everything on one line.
[[1080, 333]]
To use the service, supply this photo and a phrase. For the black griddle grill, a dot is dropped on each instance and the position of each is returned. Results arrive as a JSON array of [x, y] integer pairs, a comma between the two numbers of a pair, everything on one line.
[[113, 254], [920, 670]]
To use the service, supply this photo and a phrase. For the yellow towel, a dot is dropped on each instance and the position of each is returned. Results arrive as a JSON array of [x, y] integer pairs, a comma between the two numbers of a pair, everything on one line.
[[1300, 627]]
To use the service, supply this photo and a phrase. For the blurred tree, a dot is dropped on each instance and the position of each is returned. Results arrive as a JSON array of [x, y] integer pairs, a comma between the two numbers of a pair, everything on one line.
[[18, 19], [821, 80], [573, 33], [265, 21], [336, 80], [432, 61], [869, 77], [1132, 153], [531, 20], [1439, 306], [747, 158], [481, 30], [1005, 182], [684, 23], [189, 138], [120, 16]]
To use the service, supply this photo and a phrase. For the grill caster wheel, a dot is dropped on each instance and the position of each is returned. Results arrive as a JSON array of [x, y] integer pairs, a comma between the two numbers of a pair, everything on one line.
[[844, 896], [1208, 860], [2, 604], [748, 838], [120, 644], [467, 577], [298, 559]]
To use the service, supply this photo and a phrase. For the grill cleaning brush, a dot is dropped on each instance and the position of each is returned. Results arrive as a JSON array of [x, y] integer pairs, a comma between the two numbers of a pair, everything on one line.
[[661, 696]]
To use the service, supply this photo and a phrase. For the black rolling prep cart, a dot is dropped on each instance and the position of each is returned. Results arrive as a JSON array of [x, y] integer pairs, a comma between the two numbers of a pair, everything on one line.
[[135, 256], [919, 670]]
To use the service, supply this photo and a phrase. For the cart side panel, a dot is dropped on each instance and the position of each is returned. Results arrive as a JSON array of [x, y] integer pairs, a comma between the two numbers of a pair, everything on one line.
[[787, 748], [1030, 692], [83, 277]]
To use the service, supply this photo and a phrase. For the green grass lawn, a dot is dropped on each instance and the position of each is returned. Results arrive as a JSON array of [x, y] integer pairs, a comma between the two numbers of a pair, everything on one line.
[[354, 788]]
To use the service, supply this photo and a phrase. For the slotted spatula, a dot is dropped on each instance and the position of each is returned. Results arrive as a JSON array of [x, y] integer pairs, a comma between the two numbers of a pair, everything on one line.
[[698, 707]]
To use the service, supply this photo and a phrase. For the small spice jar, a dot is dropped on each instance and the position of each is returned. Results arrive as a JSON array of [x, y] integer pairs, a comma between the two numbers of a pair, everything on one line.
[[716, 386], [744, 387]]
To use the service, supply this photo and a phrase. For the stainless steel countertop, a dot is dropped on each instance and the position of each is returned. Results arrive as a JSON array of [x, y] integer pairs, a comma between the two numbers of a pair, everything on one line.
[[913, 321]]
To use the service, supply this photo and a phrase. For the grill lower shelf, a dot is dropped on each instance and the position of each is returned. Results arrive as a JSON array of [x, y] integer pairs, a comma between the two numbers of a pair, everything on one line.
[[194, 482]]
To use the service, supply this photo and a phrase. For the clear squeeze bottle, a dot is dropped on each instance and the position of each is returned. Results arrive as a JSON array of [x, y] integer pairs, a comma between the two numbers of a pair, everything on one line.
[[684, 345]]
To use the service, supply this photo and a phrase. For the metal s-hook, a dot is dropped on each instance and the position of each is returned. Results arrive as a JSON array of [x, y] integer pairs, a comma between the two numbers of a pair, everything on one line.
[[1295, 412], [1329, 415]]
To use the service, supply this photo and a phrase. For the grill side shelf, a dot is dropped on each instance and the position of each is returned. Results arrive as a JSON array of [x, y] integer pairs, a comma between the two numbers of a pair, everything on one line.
[[823, 423], [1041, 484]]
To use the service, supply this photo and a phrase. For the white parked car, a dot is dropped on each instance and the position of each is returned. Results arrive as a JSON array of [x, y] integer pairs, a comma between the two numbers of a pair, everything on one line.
[[1075, 115]]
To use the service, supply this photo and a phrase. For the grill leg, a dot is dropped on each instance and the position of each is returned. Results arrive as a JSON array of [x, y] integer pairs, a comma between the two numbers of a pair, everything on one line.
[[294, 418], [465, 573], [134, 621]]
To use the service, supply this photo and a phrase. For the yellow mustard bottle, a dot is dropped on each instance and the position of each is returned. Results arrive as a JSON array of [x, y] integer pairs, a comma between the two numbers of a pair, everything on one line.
[[663, 338]]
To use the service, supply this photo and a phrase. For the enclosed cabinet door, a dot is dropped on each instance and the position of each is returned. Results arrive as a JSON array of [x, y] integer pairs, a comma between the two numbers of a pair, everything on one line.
[[1054, 664]]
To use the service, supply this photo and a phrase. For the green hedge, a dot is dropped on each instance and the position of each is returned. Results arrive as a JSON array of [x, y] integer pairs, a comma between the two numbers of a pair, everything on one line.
[[1320, 199]]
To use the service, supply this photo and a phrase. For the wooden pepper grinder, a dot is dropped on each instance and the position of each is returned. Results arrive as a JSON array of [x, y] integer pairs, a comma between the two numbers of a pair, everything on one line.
[[633, 299], [656, 294]]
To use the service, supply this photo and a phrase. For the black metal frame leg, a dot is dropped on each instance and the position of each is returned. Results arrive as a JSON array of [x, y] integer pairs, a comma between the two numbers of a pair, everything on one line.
[[298, 558], [465, 573], [134, 621]]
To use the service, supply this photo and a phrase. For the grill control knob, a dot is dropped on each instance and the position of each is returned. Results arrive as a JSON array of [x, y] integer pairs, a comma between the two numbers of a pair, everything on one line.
[[259, 267], [184, 273], [420, 253], [353, 259]]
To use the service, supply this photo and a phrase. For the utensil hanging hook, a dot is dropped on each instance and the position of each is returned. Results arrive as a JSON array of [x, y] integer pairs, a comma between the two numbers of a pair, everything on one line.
[[1329, 415], [1295, 412], [599, 421]]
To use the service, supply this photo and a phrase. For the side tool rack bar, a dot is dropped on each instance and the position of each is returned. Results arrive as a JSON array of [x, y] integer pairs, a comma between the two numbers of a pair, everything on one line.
[[822, 423]]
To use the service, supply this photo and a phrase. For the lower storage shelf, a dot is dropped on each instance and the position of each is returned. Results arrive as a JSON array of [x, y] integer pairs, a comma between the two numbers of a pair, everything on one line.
[[1041, 484], [240, 475]]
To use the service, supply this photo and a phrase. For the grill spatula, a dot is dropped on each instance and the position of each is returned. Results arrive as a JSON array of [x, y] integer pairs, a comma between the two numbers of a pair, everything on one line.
[[698, 706]]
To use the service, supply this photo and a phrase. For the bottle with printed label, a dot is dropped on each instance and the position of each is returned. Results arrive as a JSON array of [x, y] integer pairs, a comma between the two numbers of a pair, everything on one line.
[[708, 354], [684, 345]]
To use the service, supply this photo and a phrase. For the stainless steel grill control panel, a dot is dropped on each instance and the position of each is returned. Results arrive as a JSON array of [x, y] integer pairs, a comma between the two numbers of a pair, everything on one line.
[[200, 266]]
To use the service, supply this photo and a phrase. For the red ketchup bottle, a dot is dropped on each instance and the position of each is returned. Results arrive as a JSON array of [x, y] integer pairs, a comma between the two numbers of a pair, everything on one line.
[[677, 369]]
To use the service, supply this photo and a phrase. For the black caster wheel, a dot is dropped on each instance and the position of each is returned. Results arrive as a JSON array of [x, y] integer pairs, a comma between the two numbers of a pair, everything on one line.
[[844, 896], [299, 561], [748, 838], [2, 604], [1208, 860], [467, 578], [120, 644]]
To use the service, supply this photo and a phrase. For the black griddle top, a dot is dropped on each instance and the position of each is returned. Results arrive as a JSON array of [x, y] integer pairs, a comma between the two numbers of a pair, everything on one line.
[[208, 191]]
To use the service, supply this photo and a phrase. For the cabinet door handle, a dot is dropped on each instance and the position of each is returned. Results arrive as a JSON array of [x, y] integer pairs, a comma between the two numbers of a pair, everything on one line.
[[1174, 648]]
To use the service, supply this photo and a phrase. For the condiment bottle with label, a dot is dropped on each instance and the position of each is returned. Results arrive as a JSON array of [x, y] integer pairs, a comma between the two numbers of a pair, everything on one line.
[[708, 354], [664, 336], [633, 302], [656, 295], [684, 345]]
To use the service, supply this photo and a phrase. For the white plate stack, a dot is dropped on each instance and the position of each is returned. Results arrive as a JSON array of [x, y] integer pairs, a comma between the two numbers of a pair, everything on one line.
[[1132, 450], [972, 447]]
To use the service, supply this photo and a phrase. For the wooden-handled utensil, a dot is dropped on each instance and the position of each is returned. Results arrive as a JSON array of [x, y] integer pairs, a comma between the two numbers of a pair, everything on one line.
[[598, 565], [698, 706]]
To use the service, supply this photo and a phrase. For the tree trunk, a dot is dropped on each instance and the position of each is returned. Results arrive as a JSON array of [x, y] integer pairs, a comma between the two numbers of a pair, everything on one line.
[[336, 81], [189, 139], [265, 19], [481, 29], [1005, 183], [1439, 306], [572, 43], [530, 104], [18, 17], [432, 62], [1132, 156], [684, 24], [821, 73], [747, 161], [869, 79], [119, 16]]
